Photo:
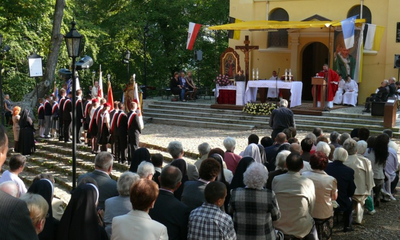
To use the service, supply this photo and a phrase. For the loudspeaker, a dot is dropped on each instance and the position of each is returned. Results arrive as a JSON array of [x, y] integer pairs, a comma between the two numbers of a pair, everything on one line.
[[64, 74], [397, 61], [85, 63]]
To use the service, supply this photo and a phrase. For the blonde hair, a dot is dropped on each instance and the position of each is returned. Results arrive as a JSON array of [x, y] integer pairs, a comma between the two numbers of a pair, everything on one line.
[[37, 206], [16, 110]]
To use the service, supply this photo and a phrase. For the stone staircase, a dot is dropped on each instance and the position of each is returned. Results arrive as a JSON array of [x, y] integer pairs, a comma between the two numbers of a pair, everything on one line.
[[201, 115], [55, 157]]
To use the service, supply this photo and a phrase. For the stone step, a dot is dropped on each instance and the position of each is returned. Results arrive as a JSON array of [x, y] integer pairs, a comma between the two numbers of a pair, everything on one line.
[[261, 123], [179, 104], [256, 119], [202, 124]]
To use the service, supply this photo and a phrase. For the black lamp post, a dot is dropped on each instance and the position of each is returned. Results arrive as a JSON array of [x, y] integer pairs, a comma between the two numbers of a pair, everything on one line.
[[126, 60], [1, 86], [35, 69], [73, 39]]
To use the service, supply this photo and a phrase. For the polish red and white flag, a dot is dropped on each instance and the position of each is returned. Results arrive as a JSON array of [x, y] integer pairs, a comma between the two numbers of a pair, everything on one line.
[[192, 34]]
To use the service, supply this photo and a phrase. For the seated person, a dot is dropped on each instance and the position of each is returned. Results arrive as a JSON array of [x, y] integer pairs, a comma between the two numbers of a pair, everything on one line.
[[38, 208], [381, 95], [350, 92], [174, 84], [191, 86], [338, 99]]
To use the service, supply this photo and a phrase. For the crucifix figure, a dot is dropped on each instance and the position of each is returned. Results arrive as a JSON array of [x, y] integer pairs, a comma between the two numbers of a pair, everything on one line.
[[246, 50]]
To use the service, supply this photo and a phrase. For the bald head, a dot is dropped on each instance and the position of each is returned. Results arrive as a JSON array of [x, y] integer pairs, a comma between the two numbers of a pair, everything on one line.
[[10, 187], [295, 148], [280, 138]]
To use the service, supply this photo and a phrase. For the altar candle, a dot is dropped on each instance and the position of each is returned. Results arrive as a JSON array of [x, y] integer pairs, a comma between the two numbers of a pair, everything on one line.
[[253, 74], [286, 73], [257, 73]]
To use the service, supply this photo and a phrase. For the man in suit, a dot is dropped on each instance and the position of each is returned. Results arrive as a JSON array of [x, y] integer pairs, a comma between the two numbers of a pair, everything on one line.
[[175, 148], [272, 151], [168, 210], [193, 191], [134, 130], [67, 117], [60, 114], [79, 115], [15, 222], [345, 184], [47, 117], [103, 164]]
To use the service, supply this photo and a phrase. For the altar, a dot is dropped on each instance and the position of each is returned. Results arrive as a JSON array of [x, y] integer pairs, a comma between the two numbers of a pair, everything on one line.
[[295, 87], [225, 94]]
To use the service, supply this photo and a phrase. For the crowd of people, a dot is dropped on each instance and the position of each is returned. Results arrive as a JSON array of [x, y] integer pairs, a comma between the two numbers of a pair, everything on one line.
[[183, 86], [96, 124], [281, 188]]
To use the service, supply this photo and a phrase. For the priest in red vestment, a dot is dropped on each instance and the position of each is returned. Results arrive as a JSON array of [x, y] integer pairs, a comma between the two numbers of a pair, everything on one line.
[[333, 81]]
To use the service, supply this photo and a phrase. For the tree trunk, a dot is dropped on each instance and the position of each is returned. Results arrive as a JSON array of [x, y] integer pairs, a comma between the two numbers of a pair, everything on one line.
[[30, 100]]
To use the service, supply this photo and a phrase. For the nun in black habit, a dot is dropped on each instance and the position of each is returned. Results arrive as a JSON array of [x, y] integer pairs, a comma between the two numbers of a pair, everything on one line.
[[26, 134]]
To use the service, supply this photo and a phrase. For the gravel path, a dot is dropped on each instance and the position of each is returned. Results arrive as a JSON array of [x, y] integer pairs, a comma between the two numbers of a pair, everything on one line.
[[385, 224]]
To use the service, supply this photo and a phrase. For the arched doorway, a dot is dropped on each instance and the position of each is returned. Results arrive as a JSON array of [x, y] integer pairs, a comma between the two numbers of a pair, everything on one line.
[[315, 55]]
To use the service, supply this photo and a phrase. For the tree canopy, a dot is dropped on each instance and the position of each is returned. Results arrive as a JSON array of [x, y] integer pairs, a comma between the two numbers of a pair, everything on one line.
[[110, 27]]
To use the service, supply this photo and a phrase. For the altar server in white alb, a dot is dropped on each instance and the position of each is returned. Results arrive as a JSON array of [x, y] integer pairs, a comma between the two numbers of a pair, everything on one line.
[[240, 80], [272, 92], [350, 92], [338, 99]]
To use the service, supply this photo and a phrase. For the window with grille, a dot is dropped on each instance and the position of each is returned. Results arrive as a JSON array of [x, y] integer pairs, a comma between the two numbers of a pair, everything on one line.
[[280, 37]]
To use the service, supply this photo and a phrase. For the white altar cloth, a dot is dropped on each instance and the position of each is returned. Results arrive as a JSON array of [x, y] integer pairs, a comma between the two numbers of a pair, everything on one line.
[[218, 87], [296, 88]]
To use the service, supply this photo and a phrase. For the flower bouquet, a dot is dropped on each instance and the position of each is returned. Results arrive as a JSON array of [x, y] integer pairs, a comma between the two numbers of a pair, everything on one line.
[[259, 108], [222, 80]]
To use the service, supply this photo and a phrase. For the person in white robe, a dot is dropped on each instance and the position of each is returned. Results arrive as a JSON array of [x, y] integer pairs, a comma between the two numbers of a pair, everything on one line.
[[338, 99], [350, 92], [272, 92]]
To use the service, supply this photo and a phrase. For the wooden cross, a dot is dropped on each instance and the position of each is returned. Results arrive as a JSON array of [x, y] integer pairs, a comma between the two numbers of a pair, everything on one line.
[[246, 50]]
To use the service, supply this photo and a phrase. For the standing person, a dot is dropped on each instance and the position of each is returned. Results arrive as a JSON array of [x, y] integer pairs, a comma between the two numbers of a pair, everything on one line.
[[134, 130], [60, 114], [281, 118], [47, 116], [7, 108], [79, 115], [272, 92], [122, 129], [86, 116], [332, 79], [92, 132], [208, 221], [67, 117], [95, 89], [26, 140], [296, 199], [15, 120], [54, 117], [41, 118], [99, 122], [105, 127], [15, 222], [112, 141]]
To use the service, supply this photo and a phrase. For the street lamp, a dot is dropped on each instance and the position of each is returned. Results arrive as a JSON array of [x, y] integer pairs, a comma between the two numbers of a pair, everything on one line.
[[126, 60], [73, 40], [35, 69]]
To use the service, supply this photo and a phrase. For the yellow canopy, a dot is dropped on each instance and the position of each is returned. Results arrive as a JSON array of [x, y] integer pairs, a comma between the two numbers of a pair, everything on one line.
[[265, 25]]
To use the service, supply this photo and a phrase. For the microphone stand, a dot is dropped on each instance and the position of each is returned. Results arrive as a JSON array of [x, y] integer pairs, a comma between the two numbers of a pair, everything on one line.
[[276, 87]]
